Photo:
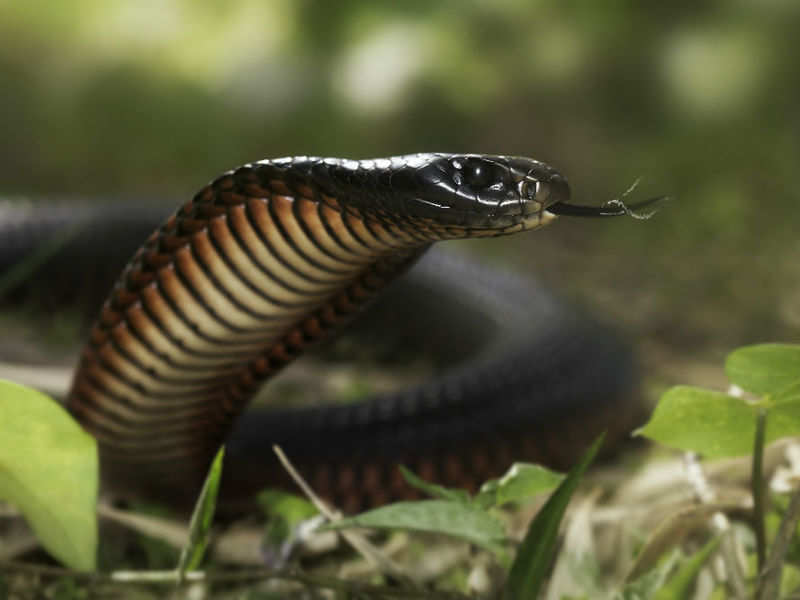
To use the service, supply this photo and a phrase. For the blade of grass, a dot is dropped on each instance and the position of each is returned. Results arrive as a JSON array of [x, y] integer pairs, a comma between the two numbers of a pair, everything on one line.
[[769, 579], [679, 584], [535, 554], [202, 517]]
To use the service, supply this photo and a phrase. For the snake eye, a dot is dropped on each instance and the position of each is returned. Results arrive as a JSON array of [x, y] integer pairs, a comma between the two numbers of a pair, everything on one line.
[[529, 188]]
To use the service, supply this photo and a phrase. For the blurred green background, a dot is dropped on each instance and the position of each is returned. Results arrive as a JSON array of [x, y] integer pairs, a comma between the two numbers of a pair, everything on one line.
[[698, 100]]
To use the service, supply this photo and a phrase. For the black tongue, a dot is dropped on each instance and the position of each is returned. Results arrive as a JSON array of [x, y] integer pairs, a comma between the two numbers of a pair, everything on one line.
[[612, 208]]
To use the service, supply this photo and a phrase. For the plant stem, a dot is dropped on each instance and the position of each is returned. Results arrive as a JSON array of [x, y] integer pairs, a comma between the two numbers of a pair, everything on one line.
[[769, 578], [758, 485]]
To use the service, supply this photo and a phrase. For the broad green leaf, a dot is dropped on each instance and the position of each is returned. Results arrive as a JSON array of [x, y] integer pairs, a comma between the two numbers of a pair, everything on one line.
[[710, 423], [48, 469], [536, 553], [679, 585], [783, 415], [433, 489], [520, 482], [717, 425], [202, 517], [764, 368], [455, 519]]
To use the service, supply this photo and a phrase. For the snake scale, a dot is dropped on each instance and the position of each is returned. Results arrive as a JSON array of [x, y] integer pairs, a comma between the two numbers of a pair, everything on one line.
[[270, 258]]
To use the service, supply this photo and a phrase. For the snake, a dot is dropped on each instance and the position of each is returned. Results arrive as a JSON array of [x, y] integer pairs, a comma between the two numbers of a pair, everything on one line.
[[273, 257]]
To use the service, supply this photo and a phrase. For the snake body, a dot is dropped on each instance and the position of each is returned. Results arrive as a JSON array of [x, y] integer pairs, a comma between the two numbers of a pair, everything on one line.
[[270, 258]]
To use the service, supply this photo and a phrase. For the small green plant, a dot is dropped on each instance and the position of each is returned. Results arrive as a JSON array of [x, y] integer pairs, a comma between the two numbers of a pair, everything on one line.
[[455, 513], [48, 468], [763, 405]]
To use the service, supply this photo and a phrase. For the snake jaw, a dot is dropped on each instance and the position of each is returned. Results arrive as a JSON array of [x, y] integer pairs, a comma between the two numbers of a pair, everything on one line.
[[539, 219]]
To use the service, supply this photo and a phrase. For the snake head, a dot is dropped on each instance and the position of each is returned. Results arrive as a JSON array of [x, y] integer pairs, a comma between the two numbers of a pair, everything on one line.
[[476, 191]]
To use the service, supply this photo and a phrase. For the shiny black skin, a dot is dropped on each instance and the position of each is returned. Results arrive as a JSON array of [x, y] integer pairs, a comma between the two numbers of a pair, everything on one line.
[[475, 191]]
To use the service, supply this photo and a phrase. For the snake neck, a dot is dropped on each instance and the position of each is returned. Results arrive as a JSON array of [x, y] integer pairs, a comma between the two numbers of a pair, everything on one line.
[[263, 262]]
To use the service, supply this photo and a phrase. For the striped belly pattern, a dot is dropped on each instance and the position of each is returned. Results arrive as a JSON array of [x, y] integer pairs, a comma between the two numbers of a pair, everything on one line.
[[262, 262]]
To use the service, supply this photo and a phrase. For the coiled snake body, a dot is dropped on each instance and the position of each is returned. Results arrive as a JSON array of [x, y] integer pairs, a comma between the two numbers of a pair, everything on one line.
[[270, 258]]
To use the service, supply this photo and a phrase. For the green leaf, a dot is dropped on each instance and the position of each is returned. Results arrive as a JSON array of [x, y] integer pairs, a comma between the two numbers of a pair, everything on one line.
[[535, 554], [764, 368], [783, 415], [285, 512], [711, 423], [432, 489], [520, 482], [202, 517], [789, 395], [48, 469], [679, 585], [718, 425], [455, 519], [277, 503]]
